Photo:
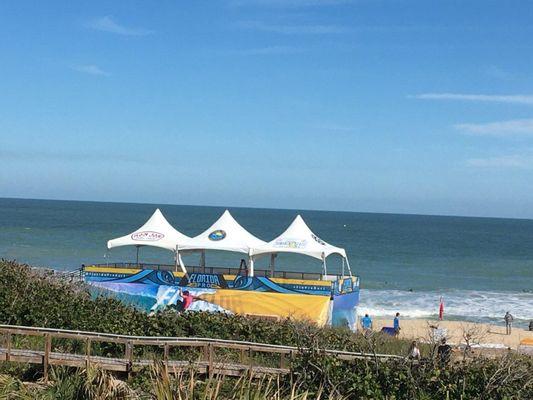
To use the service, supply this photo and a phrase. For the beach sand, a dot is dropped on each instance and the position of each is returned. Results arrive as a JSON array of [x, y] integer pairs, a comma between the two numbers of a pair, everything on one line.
[[483, 335]]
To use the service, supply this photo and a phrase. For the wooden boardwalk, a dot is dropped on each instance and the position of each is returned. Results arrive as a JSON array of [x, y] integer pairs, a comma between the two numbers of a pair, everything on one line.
[[247, 355], [123, 365]]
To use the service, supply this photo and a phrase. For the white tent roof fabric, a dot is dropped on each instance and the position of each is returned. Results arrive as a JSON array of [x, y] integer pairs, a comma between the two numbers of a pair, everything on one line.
[[225, 234], [298, 238], [156, 232]]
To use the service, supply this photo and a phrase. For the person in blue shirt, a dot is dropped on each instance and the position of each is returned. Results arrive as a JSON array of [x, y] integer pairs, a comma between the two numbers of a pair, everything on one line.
[[366, 323], [397, 324]]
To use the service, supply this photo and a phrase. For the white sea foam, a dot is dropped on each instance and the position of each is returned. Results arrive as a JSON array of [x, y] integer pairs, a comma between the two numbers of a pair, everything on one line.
[[470, 305]]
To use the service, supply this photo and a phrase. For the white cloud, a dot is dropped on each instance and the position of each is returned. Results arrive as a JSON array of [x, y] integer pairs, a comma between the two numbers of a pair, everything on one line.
[[506, 161], [107, 24], [514, 99], [515, 127], [294, 29], [90, 69]]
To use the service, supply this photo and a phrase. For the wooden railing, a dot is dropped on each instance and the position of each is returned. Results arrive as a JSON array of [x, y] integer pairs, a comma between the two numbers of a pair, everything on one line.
[[207, 361]]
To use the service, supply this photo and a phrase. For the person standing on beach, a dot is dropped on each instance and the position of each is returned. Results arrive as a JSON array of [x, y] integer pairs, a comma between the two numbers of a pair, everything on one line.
[[366, 323], [397, 324], [508, 322]]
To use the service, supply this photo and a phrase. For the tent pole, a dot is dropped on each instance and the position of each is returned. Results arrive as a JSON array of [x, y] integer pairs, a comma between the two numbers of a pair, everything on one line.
[[177, 259], [137, 258], [324, 265], [349, 269], [251, 267], [342, 267], [272, 262], [202, 260], [182, 265]]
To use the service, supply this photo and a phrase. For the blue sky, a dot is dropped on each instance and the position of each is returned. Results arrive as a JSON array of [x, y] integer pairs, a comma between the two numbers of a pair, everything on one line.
[[364, 105]]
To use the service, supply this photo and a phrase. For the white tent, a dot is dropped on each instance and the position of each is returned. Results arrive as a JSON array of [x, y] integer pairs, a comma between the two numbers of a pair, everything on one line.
[[156, 232], [225, 234], [299, 239]]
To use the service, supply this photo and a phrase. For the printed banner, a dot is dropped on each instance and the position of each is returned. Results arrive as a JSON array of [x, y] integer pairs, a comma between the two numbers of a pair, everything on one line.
[[316, 301]]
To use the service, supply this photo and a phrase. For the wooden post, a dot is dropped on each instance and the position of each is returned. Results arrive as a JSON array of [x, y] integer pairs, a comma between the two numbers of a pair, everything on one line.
[[165, 358], [210, 367], [128, 355], [206, 352], [250, 361], [127, 351], [7, 341], [282, 360], [292, 355], [46, 357], [243, 356], [87, 352]]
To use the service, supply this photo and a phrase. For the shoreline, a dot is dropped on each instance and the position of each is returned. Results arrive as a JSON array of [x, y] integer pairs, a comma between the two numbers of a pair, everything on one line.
[[482, 335]]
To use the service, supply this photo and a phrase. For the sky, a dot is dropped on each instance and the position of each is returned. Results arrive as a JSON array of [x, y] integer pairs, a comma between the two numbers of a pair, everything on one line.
[[399, 106]]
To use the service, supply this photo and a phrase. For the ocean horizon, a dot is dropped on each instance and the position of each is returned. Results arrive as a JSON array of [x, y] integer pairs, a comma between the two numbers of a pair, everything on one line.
[[481, 266]]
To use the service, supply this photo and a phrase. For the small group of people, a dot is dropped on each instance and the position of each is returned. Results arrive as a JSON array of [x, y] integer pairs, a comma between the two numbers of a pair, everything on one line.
[[367, 325], [444, 351]]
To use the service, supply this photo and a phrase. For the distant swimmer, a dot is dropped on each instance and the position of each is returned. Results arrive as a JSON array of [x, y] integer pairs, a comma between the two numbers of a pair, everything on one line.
[[508, 318]]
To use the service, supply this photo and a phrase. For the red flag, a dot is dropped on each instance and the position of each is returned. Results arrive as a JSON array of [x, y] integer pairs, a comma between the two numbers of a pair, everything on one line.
[[441, 309]]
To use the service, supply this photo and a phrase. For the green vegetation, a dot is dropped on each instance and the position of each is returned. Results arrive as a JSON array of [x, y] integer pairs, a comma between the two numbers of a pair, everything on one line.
[[93, 384], [32, 298]]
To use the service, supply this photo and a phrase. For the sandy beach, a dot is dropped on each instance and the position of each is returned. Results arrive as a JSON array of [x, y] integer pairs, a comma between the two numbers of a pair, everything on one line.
[[483, 335]]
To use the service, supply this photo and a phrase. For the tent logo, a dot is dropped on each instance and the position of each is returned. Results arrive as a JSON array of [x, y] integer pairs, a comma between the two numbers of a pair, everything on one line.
[[217, 235], [147, 236], [290, 243], [318, 240]]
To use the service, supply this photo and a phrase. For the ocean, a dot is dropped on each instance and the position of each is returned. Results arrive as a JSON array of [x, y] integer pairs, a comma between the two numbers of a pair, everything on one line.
[[482, 267]]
